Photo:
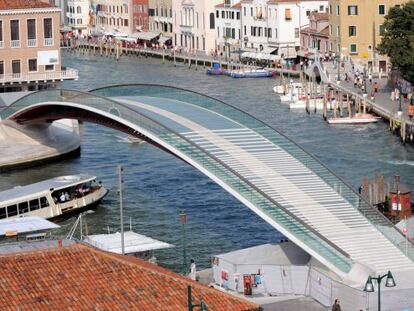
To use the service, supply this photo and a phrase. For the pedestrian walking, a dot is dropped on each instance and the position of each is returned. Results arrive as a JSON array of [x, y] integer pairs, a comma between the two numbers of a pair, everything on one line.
[[370, 78], [376, 86], [193, 273], [336, 306]]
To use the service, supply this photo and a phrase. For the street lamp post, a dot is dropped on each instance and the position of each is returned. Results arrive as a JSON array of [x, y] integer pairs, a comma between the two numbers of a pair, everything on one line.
[[365, 81], [183, 220], [369, 287], [400, 98]]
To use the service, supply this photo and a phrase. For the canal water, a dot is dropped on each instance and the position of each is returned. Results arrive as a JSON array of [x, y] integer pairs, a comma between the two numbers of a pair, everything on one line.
[[158, 186]]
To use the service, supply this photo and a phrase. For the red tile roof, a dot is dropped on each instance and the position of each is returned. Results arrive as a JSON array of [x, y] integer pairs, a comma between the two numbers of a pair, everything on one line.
[[79, 277], [23, 4]]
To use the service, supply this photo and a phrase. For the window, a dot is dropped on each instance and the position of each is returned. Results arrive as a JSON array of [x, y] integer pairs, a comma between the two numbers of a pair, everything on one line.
[[321, 8], [251, 11], [79, 21], [23, 208], [79, 10], [352, 31], [244, 11], [353, 48], [49, 67], [238, 15], [308, 13], [217, 14], [381, 30], [288, 15], [43, 202], [32, 64], [337, 10], [296, 32], [11, 210], [269, 32], [31, 29], [2, 212], [1, 68], [233, 33], [16, 66], [47, 28], [338, 31], [14, 30], [223, 14], [352, 10], [34, 204], [212, 21], [245, 30], [381, 9], [1, 31]]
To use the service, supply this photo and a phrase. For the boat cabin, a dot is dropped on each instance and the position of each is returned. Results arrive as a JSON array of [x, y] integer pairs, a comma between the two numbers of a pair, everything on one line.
[[51, 198]]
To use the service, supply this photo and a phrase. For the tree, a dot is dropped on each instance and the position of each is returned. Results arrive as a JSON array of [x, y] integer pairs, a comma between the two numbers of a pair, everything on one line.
[[398, 40]]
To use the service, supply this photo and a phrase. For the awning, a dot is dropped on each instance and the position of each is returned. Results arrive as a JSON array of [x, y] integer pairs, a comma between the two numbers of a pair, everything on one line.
[[163, 39], [260, 56], [269, 50], [146, 36], [287, 52]]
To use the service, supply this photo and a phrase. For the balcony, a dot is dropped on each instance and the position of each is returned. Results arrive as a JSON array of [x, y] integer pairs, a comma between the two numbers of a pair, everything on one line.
[[31, 43], [15, 43], [48, 42], [66, 74], [186, 29]]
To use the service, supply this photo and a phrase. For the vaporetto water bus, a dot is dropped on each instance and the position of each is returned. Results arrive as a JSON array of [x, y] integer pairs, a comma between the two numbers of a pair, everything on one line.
[[53, 198]]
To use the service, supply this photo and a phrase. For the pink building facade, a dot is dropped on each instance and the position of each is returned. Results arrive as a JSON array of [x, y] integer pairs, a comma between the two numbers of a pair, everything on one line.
[[315, 38]]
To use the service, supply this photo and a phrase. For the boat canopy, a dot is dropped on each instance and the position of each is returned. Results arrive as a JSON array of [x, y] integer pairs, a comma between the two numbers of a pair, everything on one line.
[[25, 225], [42, 187], [163, 39], [146, 36]]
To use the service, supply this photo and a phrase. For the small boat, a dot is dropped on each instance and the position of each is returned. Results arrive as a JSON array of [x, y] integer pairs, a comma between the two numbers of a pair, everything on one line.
[[215, 70], [283, 90], [135, 140], [255, 73], [53, 198], [359, 118], [313, 103]]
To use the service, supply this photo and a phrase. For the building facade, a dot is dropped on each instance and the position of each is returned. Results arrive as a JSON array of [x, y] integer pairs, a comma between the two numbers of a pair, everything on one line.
[[30, 46], [228, 26], [194, 24], [77, 16], [160, 17], [355, 29], [315, 38], [274, 26], [140, 19]]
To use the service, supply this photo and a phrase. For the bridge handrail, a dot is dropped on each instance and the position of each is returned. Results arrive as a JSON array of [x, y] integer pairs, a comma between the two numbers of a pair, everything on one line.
[[252, 193], [376, 218]]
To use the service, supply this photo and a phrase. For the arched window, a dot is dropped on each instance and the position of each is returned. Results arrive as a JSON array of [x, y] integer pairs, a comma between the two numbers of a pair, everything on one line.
[[78, 10], [212, 21]]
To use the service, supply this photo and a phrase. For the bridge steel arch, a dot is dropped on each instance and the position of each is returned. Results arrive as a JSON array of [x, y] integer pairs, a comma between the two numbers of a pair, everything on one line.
[[167, 118]]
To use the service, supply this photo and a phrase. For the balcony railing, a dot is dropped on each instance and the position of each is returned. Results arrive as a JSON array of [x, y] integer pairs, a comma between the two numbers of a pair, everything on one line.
[[1, 44], [31, 42], [15, 43], [48, 42], [67, 74]]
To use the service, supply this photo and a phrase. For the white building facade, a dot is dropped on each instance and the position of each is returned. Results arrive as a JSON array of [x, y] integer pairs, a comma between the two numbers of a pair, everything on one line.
[[194, 24], [228, 26], [160, 17], [77, 15], [274, 26]]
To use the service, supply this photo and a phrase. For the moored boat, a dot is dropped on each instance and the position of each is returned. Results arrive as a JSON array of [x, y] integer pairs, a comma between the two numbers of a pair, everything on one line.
[[359, 118], [52, 198], [215, 70]]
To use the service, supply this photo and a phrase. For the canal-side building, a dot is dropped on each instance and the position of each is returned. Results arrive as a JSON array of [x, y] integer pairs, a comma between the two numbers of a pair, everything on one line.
[[228, 26], [273, 26], [63, 275], [315, 38], [62, 5], [160, 17], [356, 28], [30, 46], [194, 24], [78, 16], [140, 19]]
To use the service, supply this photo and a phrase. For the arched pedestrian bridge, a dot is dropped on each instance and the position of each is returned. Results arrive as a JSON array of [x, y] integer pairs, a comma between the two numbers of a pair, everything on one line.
[[261, 167]]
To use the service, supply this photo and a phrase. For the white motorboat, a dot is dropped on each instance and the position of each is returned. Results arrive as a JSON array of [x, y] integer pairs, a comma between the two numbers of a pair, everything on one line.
[[313, 103], [359, 118], [281, 89], [52, 198]]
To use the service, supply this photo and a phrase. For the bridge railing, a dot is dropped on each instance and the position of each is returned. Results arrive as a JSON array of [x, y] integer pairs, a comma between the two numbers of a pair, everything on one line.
[[303, 232], [376, 218]]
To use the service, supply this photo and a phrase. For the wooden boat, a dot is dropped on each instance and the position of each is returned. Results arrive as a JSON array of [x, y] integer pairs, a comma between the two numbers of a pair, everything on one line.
[[359, 118], [52, 198]]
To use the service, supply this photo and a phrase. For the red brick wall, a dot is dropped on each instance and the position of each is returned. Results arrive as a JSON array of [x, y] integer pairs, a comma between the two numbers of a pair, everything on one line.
[[140, 14]]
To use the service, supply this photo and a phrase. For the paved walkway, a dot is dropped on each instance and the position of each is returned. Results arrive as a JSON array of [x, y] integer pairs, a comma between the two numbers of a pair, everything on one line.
[[296, 304]]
